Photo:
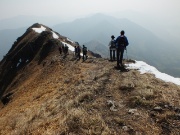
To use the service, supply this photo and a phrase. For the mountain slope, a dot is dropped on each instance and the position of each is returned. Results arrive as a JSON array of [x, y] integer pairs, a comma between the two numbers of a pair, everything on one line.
[[36, 43], [144, 45], [54, 94], [64, 96], [97, 47]]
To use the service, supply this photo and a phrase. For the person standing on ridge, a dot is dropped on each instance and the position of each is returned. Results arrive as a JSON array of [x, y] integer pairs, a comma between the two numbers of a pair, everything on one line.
[[75, 51], [60, 49], [84, 53], [112, 48], [121, 43], [66, 49], [60, 44], [78, 49]]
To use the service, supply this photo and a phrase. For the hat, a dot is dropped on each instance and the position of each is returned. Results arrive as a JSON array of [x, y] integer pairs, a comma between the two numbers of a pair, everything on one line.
[[122, 32], [112, 36]]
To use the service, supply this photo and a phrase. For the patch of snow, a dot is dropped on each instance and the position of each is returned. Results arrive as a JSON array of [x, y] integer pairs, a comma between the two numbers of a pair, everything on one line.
[[145, 68], [70, 47], [39, 30], [70, 40], [55, 35]]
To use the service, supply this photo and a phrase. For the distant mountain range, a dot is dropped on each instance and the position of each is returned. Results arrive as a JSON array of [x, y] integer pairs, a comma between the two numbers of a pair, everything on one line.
[[97, 47], [7, 38], [95, 32], [144, 45]]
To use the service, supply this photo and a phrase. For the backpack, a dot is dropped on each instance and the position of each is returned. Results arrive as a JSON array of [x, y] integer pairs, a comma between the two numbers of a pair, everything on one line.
[[113, 44], [78, 50], [122, 42], [84, 49]]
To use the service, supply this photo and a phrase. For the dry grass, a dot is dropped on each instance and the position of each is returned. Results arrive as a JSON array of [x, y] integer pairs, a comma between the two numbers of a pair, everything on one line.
[[69, 97]]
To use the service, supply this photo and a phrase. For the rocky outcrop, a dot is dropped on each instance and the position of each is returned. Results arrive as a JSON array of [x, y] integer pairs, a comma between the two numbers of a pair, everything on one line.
[[29, 46]]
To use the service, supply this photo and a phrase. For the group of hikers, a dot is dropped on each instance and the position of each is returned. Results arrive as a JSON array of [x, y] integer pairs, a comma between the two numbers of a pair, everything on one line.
[[77, 51], [117, 48], [63, 48]]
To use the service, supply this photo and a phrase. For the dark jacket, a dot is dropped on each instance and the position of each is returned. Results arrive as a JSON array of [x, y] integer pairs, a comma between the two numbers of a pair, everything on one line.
[[117, 39]]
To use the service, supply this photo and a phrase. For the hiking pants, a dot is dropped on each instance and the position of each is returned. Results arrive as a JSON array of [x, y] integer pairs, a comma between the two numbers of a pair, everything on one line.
[[84, 55], [120, 52], [78, 55], [112, 53]]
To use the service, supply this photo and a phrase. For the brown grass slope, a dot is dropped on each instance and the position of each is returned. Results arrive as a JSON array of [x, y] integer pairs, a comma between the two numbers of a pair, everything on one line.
[[56, 95], [69, 97]]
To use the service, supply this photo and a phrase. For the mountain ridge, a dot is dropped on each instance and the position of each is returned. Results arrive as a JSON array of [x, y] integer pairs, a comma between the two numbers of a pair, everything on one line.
[[53, 94], [36, 43], [167, 61]]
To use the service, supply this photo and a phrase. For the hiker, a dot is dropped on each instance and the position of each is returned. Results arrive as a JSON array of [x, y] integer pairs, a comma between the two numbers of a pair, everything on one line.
[[75, 51], [121, 43], [60, 44], [60, 50], [84, 52], [78, 52], [66, 49], [112, 48]]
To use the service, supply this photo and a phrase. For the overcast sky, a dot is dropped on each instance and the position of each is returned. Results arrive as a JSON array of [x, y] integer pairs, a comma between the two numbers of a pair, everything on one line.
[[158, 15], [71, 9]]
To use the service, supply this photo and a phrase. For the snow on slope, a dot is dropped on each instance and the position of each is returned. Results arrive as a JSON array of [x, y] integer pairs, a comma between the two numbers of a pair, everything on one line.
[[55, 35], [70, 47], [39, 30], [145, 68]]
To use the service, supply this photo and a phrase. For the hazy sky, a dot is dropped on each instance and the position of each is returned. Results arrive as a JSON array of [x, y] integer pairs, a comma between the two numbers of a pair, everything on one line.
[[71, 9], [158, 15]]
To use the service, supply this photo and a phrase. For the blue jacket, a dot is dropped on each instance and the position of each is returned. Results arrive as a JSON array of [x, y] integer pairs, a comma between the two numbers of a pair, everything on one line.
[[117, 39]]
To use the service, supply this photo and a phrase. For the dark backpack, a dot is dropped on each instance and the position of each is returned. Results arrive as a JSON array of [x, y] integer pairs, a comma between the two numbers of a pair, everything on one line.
[[122, 42], [78, 50], [85, 49]]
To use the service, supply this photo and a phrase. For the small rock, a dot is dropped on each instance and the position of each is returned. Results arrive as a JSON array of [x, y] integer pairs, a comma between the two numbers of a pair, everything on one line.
[[158, 109], [125, 128], [136, 114], [132, 111], [112, 105], [128, 129]]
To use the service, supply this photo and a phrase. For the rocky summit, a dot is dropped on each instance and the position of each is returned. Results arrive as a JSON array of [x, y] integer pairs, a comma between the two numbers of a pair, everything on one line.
[[44, 92]]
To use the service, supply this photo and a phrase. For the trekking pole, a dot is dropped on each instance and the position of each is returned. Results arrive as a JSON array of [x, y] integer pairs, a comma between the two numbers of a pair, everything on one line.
[[126, 54]]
